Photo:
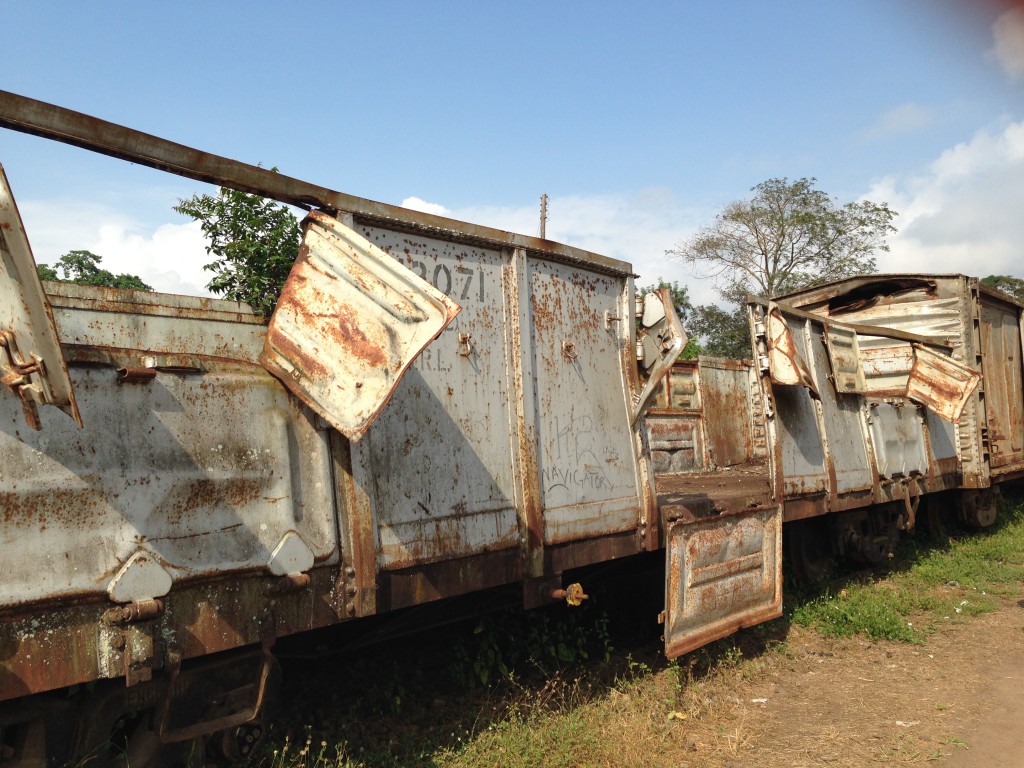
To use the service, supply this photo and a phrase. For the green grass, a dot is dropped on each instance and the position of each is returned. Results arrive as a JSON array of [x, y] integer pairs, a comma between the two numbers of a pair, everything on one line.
[[929, 584]]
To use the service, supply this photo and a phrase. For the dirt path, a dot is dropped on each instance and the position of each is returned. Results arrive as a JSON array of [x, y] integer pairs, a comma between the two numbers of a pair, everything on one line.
[[957, 700]]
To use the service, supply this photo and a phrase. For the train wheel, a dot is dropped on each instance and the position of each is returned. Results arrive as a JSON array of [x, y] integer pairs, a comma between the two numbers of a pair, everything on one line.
[[808, 548], [979, 507]]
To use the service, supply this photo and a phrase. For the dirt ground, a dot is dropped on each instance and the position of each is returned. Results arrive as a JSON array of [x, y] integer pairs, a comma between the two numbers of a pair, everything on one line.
[[957, 700]]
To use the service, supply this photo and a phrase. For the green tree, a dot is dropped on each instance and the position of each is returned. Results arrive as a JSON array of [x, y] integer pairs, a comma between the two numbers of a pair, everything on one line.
[[1013, 286], [254, 242], [684, 308], [83, 267], [787, 235], [723, 332]]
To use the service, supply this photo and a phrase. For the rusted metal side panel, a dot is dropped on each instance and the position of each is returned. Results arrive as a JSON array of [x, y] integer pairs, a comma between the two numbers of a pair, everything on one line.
[[940, 383], [1004, 395], [438, 464], [727, 409], [675, 440], [844, 354], [348, 323], [796, 418], [938, 306], [201, 485], [674, 421], [587, 458], [723, 573], [898, 438], [48, 648], [205, 474], [841, 416], [32, 365], [155, 337]]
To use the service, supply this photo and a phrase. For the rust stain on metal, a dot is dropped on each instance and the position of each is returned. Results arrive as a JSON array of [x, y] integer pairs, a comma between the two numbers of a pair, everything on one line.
[[941, 383], [785, 363], [351, 335]]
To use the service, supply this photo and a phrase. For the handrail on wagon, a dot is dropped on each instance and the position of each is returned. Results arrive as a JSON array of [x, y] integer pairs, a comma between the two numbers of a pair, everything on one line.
[[38, 118]]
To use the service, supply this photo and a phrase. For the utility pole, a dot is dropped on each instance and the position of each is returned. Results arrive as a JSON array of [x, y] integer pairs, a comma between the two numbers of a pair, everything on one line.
[[543, 217]]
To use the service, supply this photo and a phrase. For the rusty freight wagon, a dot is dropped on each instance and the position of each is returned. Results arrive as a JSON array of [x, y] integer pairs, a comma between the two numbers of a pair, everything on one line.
[[435, 408], [883, 391]]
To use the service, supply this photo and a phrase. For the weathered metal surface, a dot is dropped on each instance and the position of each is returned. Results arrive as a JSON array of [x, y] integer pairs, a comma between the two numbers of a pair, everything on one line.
[[662, 339], [927, 313], [349, 322], [898, 438], [432, 503], [934, 307], [694, 495], [676, 443], [203, 473], [941, 383], [728, 411], [796, 410], [842, 420], [674, 425], [91, 320], [707, 415], [785, 363], [582, 420], [723, 573], [42, 649], [1004, 392], [32, 365], [844, 354]]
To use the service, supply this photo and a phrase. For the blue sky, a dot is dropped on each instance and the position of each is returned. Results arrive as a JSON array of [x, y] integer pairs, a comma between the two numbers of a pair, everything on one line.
[[639, 121]]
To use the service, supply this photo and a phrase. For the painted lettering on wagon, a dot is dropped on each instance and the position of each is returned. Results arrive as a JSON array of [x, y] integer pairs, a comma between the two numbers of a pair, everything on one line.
[[461, 283]]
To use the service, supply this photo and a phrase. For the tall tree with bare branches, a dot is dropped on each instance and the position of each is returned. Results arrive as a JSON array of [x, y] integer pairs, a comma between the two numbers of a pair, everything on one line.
[[787, 235]]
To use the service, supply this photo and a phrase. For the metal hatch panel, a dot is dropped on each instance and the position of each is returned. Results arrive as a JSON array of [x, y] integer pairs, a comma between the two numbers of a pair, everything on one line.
[[349, 322], [662, 343], [941, 383], [844, 354], [32, 363], [722, 573]]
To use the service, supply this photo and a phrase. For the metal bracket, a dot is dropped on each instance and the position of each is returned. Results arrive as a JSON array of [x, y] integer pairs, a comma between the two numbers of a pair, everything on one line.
[[242, 716], [16, 378]]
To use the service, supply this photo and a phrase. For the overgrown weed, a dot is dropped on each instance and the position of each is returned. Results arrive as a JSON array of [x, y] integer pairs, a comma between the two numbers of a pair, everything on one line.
[[931, 581]]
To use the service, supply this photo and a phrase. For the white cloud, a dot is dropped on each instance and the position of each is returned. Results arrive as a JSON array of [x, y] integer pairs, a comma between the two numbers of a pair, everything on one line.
[[963, 214], [906, 118], [1008, 51], [417, 204], [170, 257], [636, 228]]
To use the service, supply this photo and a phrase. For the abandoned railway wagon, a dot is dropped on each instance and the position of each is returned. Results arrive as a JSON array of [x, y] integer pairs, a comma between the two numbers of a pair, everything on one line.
[[435, 408], [885, 390]]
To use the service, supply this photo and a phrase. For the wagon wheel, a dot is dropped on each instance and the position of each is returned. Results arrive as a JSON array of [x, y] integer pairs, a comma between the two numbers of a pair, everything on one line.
[[979, 507], [808, 548]]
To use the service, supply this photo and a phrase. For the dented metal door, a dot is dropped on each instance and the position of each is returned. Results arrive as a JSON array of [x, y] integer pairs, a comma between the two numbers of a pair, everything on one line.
[[349, 322], [31, 361], [1004, 398], [723, 573]]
